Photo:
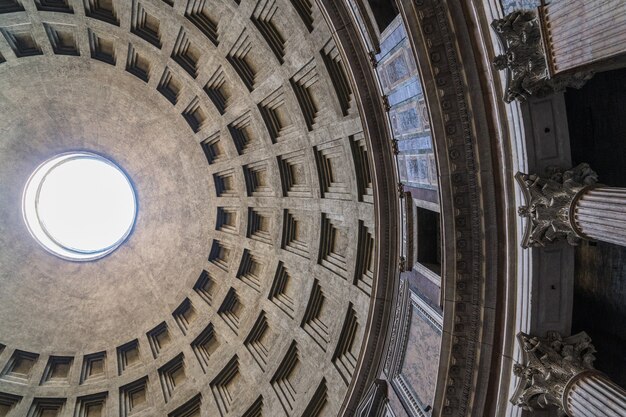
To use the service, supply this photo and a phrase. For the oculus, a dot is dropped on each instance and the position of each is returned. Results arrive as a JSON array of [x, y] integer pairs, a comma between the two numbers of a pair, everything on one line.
[[79, 206]]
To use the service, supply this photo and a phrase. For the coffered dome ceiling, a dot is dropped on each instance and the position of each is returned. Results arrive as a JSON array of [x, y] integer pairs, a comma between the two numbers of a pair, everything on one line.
[[244, 288]]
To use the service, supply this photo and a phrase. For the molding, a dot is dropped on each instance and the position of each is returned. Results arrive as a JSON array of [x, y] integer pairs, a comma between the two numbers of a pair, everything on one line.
[[406, 303], [399, 331], [462, 137], [434, 317], [430, 275], [427, 205], [362, 13], [414, 405], [373, 404]]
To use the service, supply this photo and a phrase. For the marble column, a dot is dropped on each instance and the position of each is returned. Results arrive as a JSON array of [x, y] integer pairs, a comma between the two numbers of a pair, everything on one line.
[[559, 372], [583, 34], [571, 206], [600, 214], [593, 394]]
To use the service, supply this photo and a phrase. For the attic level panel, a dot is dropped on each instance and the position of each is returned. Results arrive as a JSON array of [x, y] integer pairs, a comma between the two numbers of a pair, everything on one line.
[[391, 38], [411, 126], [408, 113], [510, 5], [397, 69], [418, 170]]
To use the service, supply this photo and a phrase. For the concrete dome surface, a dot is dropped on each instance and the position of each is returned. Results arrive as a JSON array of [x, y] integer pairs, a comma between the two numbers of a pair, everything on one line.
[[245, 286]]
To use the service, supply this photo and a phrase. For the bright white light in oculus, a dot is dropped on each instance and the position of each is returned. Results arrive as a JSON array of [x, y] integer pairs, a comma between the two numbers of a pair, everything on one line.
[[79, 206]]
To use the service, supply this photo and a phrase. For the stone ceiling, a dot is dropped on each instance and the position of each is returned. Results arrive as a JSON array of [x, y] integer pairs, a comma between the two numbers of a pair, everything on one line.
[[245, 286]]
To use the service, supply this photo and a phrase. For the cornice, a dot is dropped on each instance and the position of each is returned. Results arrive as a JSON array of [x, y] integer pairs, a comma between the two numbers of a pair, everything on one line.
[[467, 194]]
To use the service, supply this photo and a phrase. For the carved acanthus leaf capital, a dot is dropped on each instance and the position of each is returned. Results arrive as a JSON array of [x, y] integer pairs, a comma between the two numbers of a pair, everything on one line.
[[549, 203], [548, 365], [524, 59]]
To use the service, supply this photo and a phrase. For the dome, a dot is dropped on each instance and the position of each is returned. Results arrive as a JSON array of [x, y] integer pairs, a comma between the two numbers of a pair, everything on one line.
[[247, 279]]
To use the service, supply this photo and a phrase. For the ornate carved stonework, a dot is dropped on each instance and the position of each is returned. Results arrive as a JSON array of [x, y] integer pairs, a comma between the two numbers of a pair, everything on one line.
[[524, 59], [373, 59], [394, 146], [549, 203], [401, 190], [453, 128], [549, 364]]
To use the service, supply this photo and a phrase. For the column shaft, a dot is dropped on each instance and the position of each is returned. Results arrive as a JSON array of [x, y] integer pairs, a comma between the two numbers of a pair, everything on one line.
[[594, 395], [600, 214], [601, 22]]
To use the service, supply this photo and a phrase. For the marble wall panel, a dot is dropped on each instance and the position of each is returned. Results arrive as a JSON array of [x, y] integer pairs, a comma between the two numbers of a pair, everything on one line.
[[414, 362], [421, 361], [395, 69], [418, 170], [406, 119]]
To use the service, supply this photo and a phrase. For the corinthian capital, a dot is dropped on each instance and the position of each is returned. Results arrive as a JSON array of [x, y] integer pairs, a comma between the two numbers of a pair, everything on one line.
[[548, 365], [549, 203], [524, 59]]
